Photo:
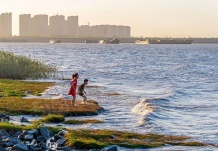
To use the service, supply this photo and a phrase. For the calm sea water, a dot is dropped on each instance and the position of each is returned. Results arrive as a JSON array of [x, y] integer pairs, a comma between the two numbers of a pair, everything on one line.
[[168, 89]]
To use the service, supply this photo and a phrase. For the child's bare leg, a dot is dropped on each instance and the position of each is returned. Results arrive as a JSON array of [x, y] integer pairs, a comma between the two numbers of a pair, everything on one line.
[[84, 100], [73, 100]]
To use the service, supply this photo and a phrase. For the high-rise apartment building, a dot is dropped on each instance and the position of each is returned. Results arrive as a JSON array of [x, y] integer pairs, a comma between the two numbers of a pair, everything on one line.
[[40, 25], [105, 31], [6, 25], [57, 26], [25, 24], [36, 26], [72, 26]]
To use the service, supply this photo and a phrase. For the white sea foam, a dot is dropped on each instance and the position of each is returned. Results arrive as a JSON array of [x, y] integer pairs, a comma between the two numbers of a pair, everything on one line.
[[143, 108]]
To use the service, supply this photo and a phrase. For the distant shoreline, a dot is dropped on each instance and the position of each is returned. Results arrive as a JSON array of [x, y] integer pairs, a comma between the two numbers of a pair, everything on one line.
[[82, 40]]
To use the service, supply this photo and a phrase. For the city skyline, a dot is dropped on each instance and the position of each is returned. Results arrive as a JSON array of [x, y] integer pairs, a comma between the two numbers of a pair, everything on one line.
[[148, 18], [60, 26]]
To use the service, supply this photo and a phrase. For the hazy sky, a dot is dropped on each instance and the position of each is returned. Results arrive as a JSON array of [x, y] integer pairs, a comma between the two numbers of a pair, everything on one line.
[[161, 18]]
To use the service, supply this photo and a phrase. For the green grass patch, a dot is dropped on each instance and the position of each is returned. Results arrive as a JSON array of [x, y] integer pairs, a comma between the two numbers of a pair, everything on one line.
[[57, 118], [73, 121], [20, 67], [15, 104], [16, 88], [50, 118], [98, 139]]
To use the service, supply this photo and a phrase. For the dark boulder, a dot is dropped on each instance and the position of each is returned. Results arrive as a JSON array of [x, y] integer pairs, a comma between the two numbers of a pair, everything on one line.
[[62, 132], [4, 134], [28, 137], [111, 148], [57, 137], [4, 117], [44, 132], [61, 142], [41, 139], [13, 141], [24, 119], [20, 147], [31, 148], [2, 149], [17, 134]]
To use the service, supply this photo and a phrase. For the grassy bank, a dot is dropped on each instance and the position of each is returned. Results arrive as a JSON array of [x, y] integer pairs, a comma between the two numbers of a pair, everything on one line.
[[57, 118], [12, 101], [20, 67], [100, 138], [97, 139]]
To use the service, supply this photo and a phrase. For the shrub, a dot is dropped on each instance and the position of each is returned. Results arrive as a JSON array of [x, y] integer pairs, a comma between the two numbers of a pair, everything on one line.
[[20, 67]]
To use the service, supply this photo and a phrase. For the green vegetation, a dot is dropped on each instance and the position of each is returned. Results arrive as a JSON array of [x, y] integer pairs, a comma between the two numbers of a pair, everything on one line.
[[73, 121], [20, 67], [9, 126], [16, 88], [50, 118], [57, 118], [11, 101], [98, 139]]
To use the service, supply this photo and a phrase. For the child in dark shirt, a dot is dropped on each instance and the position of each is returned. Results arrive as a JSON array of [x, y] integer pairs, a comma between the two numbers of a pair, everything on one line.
[[81, 91]]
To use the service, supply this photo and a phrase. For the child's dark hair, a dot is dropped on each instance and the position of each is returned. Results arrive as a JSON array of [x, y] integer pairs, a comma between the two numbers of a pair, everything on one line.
[[86, 80], [75, 75]]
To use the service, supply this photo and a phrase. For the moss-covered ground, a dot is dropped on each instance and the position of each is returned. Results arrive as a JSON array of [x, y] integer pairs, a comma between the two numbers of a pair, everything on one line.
[[13, 101]]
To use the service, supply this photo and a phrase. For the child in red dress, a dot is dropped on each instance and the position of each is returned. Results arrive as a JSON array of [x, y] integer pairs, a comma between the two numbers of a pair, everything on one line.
[[73, 85]]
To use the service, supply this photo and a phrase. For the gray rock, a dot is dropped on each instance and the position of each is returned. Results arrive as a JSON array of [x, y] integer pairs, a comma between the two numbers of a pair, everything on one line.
[[44, 132], [21, 137], [43, 146], [62, 132], [51, 134], [13, 141], [28, 92], [111, 148], [11, 132], [24, 119], [4, 133], [41, 139], [37, 147], [34, 132], [28, 137], [2, 149], [52, 140], [20, 147], [17, 134], [66, 149], [57, 137], [61, 142], [33, 142], [4, 117], [31, 148]]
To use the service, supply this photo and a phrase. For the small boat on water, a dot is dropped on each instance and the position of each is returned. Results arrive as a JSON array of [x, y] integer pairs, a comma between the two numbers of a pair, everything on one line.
[[107, 41], [163, 41], [55, 41]]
